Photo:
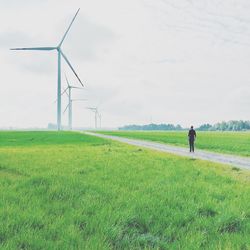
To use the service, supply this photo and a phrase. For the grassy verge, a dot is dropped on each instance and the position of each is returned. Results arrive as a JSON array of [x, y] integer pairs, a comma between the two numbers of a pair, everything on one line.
[[237, 143], [72, 191]]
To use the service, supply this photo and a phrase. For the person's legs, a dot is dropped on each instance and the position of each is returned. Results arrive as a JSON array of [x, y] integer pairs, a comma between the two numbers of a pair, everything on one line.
[[191, 145]]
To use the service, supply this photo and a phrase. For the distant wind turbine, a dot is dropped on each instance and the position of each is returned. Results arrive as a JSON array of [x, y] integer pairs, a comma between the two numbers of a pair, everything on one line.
[[69, 88], [70, 107], [59, 53], [97, 115], [100, 119]]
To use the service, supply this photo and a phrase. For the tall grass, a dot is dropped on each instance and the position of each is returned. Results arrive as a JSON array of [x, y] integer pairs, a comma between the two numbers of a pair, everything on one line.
[[72, 191]]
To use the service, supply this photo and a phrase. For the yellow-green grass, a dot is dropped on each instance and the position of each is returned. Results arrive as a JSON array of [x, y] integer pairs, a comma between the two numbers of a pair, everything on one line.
[[72, 191], [237, 143]]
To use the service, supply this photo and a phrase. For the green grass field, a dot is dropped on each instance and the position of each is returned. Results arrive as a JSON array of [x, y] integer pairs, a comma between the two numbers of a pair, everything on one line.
[[72, 191], [237, 143]]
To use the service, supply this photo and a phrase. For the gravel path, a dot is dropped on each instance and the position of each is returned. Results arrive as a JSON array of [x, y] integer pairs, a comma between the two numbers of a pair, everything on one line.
[[237, 161]]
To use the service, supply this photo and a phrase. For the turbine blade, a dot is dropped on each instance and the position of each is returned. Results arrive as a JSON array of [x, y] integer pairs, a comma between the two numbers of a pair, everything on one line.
[[65, 91], [65, 109], [67, 81], [73, 87], [62, 94], [67, 61], [35, 48], [92, 109], [68, 29]]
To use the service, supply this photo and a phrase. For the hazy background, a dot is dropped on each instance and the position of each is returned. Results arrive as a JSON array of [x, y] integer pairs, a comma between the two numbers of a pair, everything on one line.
[[142, 61]]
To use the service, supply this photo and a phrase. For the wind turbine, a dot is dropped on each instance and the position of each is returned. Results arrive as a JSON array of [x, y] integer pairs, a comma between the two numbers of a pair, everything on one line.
[[70, 107], [59, 55], [100, 119], [97, 114], [69, 88]]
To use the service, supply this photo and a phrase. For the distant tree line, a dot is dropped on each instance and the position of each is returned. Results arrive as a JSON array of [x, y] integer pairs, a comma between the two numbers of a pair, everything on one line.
[[226, 126], [152, 127], [221, 126]]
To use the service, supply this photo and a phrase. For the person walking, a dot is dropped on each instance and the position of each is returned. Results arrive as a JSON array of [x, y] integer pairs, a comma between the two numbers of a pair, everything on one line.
[[191, 138]]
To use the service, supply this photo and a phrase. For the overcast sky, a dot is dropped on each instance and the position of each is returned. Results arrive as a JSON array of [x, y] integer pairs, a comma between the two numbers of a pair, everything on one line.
[[142, 61]]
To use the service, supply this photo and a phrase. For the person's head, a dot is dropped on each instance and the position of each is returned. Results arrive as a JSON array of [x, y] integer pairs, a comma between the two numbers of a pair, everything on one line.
[[192, 127]]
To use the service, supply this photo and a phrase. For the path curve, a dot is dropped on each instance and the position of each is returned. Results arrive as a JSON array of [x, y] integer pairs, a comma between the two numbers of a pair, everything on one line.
[[237, 161]]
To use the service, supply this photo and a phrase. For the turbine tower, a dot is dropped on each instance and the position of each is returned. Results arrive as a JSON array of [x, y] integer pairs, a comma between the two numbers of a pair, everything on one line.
[[70, 107], [97, 114], [59, 55], [69, 88], [100, 119]]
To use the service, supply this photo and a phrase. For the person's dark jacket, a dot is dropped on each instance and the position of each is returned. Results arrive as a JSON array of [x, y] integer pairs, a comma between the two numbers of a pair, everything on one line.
[[191, 134]]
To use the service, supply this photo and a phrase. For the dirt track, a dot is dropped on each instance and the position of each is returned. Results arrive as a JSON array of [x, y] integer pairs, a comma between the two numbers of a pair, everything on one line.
[[237, 161]]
